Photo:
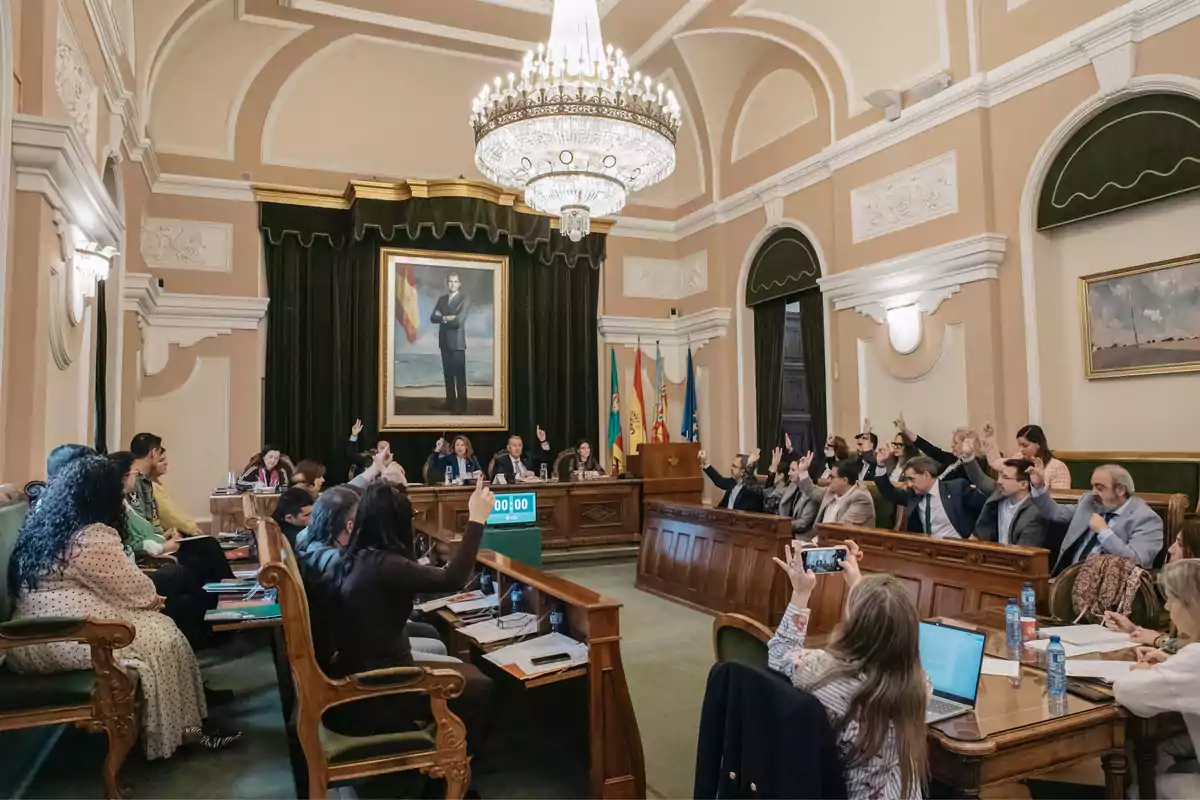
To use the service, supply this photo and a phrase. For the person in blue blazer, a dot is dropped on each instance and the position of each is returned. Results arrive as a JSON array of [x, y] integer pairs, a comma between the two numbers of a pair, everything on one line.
[[458, 456]]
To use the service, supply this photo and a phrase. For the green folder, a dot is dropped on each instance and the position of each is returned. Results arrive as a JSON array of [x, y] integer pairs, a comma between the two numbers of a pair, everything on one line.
[[265, 611]]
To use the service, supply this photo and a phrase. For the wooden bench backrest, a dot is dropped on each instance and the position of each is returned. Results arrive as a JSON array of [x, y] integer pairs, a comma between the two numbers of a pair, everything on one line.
[[1156, 473]]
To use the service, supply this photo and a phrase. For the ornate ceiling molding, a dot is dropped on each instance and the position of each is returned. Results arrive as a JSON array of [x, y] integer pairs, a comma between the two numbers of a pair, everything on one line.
[[674, 335], [167, 318], [921, 193], [925, 278]]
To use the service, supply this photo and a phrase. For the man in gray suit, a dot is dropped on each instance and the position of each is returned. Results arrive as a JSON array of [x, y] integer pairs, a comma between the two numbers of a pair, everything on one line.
[[1109, 520], [793, 502], [1008, 517], [844, 500], [450, 314]]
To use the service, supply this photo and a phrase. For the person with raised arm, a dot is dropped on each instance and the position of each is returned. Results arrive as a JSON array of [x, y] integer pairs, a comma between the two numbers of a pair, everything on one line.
[[1007, 516], [843, 500], [517, 466], [1031, 444], [742, 492], [783, 495], [457, 456], [941, 507]]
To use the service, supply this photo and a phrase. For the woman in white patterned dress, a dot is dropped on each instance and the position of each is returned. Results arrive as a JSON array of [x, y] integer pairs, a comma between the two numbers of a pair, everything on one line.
[[70, 560]]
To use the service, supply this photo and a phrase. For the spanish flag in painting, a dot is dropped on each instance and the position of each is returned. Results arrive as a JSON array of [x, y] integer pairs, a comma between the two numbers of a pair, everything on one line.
[[408, 312], [615, 444]]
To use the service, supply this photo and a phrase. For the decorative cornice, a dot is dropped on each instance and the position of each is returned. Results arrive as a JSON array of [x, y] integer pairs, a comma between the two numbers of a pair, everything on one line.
[[925, 278], [167, 318], [674, 335], [51, 160], [209, 188]]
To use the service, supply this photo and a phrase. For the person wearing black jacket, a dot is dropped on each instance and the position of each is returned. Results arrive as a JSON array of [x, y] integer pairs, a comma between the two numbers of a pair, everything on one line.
[[944, 508], [742, 492], [516, 464], [948, 461]]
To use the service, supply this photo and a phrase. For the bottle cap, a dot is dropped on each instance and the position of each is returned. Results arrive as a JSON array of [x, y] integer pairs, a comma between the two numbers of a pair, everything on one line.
[[1012, 599], [1054, 640]]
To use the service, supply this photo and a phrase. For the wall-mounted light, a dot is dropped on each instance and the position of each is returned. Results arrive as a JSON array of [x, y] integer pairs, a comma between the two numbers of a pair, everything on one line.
[[90, 262], [904, 328]]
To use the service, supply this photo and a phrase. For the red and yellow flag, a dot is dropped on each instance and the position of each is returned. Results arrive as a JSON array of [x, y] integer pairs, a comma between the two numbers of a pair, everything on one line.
[[408, 312], [637, 414]]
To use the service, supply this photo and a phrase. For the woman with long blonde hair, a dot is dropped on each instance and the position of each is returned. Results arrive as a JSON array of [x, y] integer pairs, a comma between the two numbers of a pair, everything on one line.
[[868, 678]]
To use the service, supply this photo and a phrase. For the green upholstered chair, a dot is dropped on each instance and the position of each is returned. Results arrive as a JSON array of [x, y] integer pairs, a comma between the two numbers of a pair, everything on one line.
[[738, 638], [1146, 609], [102, 699], [438, 749]]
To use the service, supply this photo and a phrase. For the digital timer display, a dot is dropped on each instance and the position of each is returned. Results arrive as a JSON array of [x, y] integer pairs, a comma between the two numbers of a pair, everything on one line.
[[513, 508]]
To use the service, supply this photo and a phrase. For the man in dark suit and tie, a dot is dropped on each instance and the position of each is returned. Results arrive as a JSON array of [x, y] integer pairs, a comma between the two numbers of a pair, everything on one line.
[[1110, 519], [942, 508], [450, 314], [742, 492]]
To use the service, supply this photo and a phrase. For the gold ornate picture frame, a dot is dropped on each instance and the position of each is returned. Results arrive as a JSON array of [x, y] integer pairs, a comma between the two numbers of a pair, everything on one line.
[[1142, 320], [443, 341]]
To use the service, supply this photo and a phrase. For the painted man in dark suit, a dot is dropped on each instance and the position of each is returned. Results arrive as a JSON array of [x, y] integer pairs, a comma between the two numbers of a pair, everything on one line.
[[451, 314]]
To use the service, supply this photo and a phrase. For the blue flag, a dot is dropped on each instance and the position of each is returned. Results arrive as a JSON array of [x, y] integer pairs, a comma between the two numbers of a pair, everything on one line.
[[691, 414]]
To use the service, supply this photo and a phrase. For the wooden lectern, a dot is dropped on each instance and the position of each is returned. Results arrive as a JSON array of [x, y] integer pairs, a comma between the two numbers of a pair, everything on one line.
[[669, 471]]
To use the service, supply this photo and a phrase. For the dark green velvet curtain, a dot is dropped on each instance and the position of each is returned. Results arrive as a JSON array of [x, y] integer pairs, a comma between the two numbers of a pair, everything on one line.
[[323, 345], [812, 341], [768, 373]]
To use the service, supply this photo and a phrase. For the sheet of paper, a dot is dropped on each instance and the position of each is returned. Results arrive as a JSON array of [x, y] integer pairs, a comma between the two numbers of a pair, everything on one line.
[[1084, 634], [522, 654], [1073, 650], [442, 602], [476, 603], [1104, 670], [502, 629], [1001, 666]]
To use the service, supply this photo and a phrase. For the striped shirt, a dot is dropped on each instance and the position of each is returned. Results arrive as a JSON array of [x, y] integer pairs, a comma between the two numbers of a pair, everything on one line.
[[878, 777]]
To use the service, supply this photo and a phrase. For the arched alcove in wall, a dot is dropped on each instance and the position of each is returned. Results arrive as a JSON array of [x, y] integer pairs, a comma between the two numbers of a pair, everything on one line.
[[789, 341], [1110, 197]]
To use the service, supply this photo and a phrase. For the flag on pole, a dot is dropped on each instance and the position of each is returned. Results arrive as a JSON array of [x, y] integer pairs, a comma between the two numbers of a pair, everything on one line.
[[660, 434], [614, 421], [408, 312], [637, 412], [691, 414]]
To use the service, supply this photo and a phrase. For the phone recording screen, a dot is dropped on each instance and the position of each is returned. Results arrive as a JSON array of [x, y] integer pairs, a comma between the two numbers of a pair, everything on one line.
[[823, 559]]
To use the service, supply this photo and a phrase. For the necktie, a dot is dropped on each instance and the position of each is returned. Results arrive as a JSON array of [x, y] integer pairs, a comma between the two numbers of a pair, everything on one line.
[[929, 514]]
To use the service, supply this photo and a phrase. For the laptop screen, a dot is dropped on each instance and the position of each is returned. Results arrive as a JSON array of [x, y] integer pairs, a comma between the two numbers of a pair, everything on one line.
[[952, 658]]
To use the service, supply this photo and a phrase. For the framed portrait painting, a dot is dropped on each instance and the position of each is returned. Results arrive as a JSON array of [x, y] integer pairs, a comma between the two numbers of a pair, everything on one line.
[[444, 341], [1142, 320]]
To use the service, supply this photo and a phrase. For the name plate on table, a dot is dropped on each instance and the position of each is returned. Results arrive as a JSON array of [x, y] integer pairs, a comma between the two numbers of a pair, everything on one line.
[[515, 508]]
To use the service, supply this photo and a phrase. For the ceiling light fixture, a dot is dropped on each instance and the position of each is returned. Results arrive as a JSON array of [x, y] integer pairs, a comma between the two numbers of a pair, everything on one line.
[[575, 131]]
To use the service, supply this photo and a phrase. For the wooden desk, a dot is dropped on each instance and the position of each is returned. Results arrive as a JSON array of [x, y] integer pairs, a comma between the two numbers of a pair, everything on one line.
[[1014, 733], [229, 510], [616, 764], [946, 577], [715, 560]]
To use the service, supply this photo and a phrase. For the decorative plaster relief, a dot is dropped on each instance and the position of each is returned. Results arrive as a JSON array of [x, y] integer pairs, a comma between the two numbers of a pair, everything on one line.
[[187, 244], [184, 319], [674, 335], [664, 278], [910, 197], [74, 82]]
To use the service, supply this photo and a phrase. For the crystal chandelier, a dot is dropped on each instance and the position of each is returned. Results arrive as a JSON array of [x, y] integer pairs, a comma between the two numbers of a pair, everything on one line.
[[575, 130]]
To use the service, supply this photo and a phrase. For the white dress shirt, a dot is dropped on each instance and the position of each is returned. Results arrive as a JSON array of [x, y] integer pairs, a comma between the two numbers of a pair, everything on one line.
[[462, 467], [941, 526], [831, 511], [518, 467], [733, 495]]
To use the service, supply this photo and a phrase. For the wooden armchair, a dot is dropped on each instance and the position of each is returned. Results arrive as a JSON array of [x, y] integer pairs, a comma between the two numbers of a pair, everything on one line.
[[737, 637], [438, 750], [492, 464], [563, 458]]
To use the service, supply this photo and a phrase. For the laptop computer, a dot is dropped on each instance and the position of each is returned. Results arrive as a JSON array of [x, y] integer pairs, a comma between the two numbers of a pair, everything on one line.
[[953, 660]]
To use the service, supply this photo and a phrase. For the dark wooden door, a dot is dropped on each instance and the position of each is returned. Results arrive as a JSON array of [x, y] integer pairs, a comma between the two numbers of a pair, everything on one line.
[[797, 415]]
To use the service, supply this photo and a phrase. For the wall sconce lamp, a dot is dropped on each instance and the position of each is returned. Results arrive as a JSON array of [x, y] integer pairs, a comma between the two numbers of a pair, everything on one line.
[[90, 262], [904, 328]]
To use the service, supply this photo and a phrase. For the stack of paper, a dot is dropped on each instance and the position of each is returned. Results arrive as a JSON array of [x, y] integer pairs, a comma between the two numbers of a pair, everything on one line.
[[1086, 635], [1107, 671], [522, 654], [475, 604], [442, 602], [502, 629], [1001, 666], [1073, 650]]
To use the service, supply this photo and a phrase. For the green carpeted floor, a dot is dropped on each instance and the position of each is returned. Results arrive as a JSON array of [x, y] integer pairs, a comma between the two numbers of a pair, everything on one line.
[[666, 649]]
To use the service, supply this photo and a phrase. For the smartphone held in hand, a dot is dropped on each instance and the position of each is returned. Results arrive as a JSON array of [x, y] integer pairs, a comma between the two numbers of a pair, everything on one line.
[[823, 559]]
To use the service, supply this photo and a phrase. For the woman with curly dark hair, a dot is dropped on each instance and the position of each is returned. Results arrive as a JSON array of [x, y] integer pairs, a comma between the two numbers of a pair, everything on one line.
[[70, 560]]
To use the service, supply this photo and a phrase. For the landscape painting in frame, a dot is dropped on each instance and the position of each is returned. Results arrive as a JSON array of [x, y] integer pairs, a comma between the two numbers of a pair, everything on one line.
[[1142, 320], [443, 347]]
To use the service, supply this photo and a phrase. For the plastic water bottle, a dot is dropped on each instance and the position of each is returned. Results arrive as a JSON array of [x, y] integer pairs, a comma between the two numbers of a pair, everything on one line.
[[449, 476], [1012, 623], [516, 599], [1056, 668], [556, 619], [1028, 601], [485, 583]]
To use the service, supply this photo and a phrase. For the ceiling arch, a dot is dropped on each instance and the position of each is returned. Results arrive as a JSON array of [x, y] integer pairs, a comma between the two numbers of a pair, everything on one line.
[[777, 105]]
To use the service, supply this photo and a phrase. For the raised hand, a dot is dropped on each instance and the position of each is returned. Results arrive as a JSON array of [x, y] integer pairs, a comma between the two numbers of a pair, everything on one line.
[[441, 446], [866, 425], [854, 556], [356, 428], [381, 459], [1037, 474], [703, 456], [968, 447], [479, 507], [902, 426], [803, 581], [805, 461], [787, 442], [776, 457], [755, 454]]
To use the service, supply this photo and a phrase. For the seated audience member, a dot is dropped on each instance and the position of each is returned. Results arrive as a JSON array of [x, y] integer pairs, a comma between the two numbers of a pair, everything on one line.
[[868, 677], [584, 459], [517, 465], [309, 475], [146, 448], [457, 456], [1109, 519], [293, 512], [1186, 545], [949, 463], [1007, 516], [267, 470], [788, 499], [1031, 444], [170, 515], [1160, 684], [843, 501], [375, 582], [944, 508], [836, 451], [70, 560], [741, 488]]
